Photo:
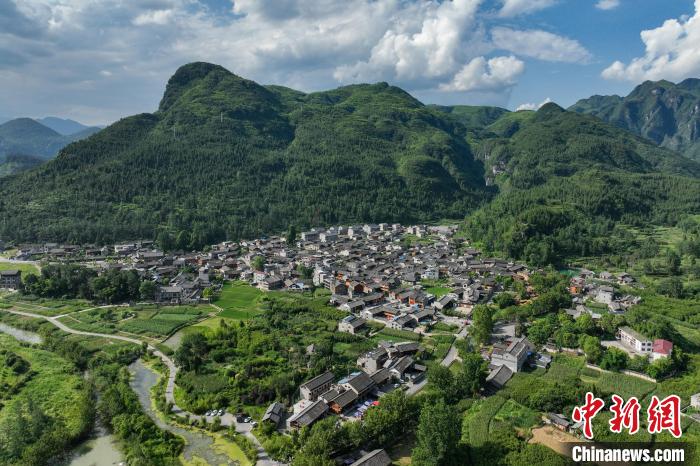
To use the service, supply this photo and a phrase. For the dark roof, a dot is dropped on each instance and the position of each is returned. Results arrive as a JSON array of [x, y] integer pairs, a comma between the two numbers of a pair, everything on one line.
[[374, 458], [10, 272], [380, 376], [310, 414], [319, 381], [274, 412], [345, 399], [360, 382], [499, 377]]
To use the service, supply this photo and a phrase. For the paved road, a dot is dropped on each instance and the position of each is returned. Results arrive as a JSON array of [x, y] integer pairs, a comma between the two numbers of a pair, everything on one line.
[[226, 420]]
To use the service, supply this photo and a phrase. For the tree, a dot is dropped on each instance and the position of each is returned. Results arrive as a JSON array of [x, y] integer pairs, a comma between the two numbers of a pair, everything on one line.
[[614, 359], [292, 234], [591, 346], [671, 287], [391, 420], [673, 262], [192, 351], [147, 290], [437, 436], [258, 263], [504, 300], [482, 324], [473, 374]]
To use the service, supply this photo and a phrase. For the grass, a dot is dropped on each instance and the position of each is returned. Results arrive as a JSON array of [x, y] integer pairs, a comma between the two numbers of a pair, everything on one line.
[[150, 321], [26, 269], [44, 306], [55, 385], [517, 415], [239, 301], [624, 385]]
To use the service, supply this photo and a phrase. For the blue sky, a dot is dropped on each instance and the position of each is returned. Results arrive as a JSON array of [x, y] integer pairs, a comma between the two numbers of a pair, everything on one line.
[[97, 61]]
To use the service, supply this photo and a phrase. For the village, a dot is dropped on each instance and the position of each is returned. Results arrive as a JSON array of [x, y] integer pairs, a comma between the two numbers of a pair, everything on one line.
[[407, 279]]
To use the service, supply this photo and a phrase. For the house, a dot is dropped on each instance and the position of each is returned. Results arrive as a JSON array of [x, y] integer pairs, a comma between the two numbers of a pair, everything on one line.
[[635, 340], [661, 349], [313, 388], [10, 279], [373, 313], [351, 324], [271, 283], [514, 355], [274, 413], [312, 413], [374, 458], [381, 376], [373, 360], [339, 400], [498, 377], [172, 294], [358, 382], [557, 420], [353, 306], [399, 368], [605, 294], [446, 302], [402, 322]]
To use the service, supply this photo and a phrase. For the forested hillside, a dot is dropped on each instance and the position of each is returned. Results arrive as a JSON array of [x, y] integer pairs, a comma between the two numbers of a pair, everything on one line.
[[224, 157], [664, 112], [567, 180]]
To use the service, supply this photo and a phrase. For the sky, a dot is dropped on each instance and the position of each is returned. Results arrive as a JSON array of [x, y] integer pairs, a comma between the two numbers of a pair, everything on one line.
[[97, 61]]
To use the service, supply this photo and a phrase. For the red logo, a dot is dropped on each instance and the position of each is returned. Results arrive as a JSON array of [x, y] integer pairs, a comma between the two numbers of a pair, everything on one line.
[[587, 412], [665, 415], [625, 415]]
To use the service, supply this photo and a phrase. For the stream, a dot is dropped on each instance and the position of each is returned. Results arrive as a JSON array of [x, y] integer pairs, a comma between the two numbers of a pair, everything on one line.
[[197, 444], [21, 335]]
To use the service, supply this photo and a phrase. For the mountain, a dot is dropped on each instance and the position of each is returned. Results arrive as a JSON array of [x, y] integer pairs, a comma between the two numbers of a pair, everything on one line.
[[62, 126], [566, 181], [28, 137], [226, 157], [18, 163], [664, 112]]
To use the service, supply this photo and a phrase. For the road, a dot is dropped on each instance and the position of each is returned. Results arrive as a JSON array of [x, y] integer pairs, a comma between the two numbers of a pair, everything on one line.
[[226, 420], [451, 356]]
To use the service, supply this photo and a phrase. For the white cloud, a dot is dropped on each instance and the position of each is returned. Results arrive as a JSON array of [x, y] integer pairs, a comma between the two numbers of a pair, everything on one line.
[[671, 52], [114, 58], [518, 7], [532, 106], [607, 4], [159, 17], [482, 75], [539, 44]]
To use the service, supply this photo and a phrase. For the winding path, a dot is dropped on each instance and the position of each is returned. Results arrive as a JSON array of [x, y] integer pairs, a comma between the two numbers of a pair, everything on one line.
[[226, 420]]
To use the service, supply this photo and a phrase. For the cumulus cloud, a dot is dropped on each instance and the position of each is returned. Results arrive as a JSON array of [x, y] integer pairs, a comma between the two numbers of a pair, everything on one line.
[[532, 106], [671, 52], [607, 4], [518, 7], [114, 57], [482, 75], [539, 44]]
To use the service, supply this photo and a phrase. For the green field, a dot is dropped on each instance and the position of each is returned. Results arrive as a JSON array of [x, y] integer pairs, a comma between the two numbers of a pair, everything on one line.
[[150, 321], [25, 268], [239, 301], [55, 386], [43, 306]]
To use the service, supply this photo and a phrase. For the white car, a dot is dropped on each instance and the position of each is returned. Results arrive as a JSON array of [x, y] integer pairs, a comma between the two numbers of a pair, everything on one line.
[[247, 419], [221, 412], [208, 413]]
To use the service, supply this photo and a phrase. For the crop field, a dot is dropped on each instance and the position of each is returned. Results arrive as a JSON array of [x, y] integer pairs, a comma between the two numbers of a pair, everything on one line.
[[517, 415], [150, 321], [624, 385], [42, 306], [564, 366], [477, 420], [239, 301]]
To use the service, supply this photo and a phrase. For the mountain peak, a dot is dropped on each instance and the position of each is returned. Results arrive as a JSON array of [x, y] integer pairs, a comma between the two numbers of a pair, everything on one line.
[[185, 76]]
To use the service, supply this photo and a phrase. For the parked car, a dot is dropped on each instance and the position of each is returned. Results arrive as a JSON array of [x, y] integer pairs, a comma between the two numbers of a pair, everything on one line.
[[208, 413], [221, 412]]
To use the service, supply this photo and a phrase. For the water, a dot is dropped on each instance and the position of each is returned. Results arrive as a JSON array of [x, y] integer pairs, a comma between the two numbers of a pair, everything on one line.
[[197, 444], [97, 451], [21, 335]]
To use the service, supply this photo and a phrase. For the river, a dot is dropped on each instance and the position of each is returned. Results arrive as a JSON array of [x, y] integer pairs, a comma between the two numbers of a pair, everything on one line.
[[197, 444], [21, 335]]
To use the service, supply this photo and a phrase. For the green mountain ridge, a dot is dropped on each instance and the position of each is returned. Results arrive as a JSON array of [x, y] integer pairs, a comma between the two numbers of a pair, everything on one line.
[[224, 157], [664, 112]]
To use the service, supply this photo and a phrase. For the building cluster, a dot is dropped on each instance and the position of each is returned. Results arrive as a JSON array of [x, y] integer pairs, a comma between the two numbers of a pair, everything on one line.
[[592, 287], [380, 370], [637, 344]]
